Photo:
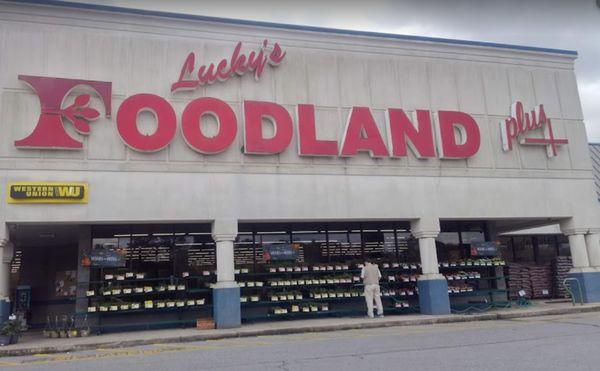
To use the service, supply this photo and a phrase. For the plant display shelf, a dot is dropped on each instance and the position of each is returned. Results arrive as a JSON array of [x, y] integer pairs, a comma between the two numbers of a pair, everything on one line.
[[328, 313], [493, 278], [333, 271], [171, 279], [198, 308], [442, 266], [480, 292], [152, 293], [310, 300]]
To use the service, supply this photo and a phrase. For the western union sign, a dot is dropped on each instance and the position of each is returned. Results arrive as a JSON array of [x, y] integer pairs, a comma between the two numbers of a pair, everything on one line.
[[47, 192]]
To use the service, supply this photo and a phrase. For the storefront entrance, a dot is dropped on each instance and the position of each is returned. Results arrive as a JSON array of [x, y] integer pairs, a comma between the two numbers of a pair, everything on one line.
[[145, 276]]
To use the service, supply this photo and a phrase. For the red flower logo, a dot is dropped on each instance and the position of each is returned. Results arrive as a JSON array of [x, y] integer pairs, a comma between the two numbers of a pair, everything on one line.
[[49, 132]]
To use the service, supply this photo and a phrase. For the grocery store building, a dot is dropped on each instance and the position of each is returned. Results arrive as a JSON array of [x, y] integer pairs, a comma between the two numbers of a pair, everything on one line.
[[155, 163]]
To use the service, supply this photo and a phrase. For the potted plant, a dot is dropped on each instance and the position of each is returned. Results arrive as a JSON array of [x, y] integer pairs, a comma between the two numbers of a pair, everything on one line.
[[9, 331]]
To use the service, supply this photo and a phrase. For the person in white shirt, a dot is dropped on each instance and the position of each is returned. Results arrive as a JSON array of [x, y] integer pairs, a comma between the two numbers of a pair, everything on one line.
[[371, 275]]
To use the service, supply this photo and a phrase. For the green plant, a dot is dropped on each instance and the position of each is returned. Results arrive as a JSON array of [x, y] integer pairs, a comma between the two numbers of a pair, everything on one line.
[[10, 327]]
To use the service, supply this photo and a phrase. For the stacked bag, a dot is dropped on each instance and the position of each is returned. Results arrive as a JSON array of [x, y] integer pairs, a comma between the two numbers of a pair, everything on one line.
[[561, 266], [541, 281], [535, 280], [518, 279]]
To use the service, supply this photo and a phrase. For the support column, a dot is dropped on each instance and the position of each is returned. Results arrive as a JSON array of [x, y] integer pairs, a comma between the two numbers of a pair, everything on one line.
[[588, 277], [433, 287], [226, 294], [579, 253], [6, 254], [592, 243]]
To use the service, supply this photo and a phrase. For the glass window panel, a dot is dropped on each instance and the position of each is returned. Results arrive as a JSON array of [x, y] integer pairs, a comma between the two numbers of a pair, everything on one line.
[[470, 237], [524, 249]]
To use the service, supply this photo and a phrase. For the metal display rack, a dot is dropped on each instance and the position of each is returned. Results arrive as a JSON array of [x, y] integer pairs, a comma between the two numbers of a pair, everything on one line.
[[333, 289], [121, 295], [321, 290]]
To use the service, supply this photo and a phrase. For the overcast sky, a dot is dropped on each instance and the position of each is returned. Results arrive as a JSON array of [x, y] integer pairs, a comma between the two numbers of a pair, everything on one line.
[[561, 24]]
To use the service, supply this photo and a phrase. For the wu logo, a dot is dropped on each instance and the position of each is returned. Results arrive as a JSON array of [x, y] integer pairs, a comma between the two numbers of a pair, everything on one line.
[[69, 191]]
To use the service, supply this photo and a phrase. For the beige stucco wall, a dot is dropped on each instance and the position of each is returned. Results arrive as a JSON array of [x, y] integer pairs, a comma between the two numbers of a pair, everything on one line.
[[335, 72]]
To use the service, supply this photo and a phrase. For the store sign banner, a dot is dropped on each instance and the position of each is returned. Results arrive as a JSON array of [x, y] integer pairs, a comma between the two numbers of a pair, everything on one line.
[[104, 258], [238, 64], [105, 253], [521, 123], [281, 251], [47, 192], [443, 134], [487, 248]]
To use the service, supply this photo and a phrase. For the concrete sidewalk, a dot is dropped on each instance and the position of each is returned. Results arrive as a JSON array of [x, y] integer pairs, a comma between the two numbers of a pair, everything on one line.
[[35, 343]]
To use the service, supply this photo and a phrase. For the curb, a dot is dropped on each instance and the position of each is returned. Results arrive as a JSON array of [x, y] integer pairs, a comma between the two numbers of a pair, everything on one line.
[[305, 329]]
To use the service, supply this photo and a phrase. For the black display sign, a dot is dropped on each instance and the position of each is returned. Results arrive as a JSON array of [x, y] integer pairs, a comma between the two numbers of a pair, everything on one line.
[[281, 251], [487, 248], [104, 258]]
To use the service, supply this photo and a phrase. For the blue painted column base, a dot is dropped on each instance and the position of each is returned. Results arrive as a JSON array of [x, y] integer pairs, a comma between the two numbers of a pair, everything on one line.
[[226, 307], [590, 286], [433, 296], [4, 310]]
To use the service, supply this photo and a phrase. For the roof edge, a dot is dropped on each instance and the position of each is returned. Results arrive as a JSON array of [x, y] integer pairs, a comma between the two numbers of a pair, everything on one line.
[[155, 13]]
